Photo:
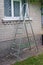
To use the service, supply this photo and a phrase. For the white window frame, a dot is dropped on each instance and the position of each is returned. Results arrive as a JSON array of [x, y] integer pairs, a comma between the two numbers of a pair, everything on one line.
[[12, 12], [12, 9]]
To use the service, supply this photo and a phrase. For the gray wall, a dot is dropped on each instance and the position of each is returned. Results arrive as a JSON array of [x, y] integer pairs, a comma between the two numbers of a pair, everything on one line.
[[7, 31]]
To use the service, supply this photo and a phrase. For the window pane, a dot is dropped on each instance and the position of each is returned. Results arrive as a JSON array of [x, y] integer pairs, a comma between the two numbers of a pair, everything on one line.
[[42, 13], [16, 8], [7, 7], [24, 8], [42, 17]]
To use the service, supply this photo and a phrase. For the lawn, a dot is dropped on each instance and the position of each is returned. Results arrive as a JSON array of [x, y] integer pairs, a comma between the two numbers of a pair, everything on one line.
[[35, 60]]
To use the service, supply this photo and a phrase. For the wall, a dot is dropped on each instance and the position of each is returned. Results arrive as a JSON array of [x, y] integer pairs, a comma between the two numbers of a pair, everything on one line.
[[7, 31]]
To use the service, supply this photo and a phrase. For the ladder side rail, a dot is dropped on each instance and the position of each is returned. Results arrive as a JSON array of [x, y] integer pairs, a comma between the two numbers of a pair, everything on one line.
[[25, 25], [34, 36], [32, 28]]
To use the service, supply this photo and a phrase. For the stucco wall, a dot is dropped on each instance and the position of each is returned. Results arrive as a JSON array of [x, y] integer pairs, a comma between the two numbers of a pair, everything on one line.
[[7, 31]]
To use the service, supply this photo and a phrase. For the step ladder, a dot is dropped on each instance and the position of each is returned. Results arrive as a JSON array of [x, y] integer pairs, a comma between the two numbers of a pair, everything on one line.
[[16, 49]]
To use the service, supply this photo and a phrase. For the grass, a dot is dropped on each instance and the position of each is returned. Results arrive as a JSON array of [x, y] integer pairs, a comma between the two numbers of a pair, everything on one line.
[[37, 60]]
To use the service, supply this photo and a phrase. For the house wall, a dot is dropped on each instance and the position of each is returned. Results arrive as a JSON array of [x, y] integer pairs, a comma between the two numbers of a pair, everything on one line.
[[7, 31]]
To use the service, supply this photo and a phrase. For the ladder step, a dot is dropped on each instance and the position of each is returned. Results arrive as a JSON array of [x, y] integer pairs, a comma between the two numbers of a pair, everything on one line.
[[14, 49], [18, 33], [14, 54], [20, 28]]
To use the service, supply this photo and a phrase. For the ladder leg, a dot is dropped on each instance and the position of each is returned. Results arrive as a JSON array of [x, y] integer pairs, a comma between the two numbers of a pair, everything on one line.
[[16, 31], [19, 43], [33, 36], [27, 35]]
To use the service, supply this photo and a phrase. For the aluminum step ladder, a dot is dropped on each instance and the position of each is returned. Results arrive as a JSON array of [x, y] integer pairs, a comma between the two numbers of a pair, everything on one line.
[[16, 48]]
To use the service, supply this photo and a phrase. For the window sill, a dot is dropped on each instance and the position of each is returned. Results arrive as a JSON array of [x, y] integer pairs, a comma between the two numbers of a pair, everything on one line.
[[10, 19]]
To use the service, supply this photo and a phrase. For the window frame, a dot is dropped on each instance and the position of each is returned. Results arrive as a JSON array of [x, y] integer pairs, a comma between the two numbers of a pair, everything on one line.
[[12, 9], [12, 12]]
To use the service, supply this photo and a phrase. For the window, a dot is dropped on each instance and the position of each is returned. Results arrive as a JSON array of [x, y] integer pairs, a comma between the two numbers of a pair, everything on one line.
[[7, 8], [13, 8], [42, 13], [16, 8]]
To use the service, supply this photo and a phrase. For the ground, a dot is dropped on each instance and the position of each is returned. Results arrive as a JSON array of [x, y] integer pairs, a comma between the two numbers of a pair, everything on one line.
[[11, 60], [35, 60]]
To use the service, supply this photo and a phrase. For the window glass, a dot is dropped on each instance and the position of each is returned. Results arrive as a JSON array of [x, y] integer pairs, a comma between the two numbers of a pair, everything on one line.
[[42, 13], [7, 7], [16, 8], [24, 7]]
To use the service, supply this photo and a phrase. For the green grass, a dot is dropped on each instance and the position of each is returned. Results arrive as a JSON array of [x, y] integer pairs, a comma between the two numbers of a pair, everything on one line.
[[37, 60]]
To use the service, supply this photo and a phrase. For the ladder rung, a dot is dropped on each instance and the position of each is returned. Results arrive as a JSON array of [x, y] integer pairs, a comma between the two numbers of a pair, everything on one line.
[[18, 33], [14, 54], [20, 28], [14, 49]]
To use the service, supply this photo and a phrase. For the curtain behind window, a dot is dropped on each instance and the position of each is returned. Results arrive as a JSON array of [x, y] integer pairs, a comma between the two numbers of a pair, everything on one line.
[[7, 7]]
